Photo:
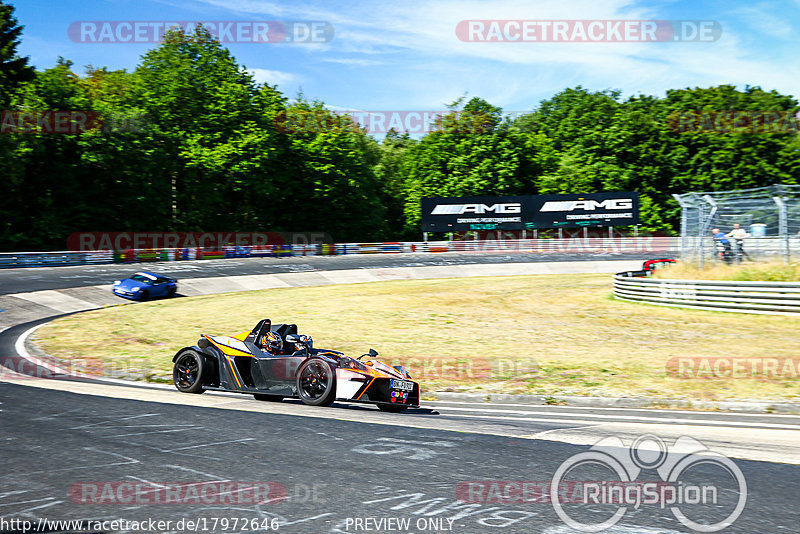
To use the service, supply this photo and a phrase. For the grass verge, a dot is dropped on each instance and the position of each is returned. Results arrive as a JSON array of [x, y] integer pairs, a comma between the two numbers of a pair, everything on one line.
[[547, 334], [776, 271]]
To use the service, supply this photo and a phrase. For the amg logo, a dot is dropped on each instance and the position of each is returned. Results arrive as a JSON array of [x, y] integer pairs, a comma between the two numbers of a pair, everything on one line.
[[588, 205], [460, 209]]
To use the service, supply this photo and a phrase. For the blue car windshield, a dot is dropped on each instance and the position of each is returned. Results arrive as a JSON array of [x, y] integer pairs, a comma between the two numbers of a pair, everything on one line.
[[142, 279]]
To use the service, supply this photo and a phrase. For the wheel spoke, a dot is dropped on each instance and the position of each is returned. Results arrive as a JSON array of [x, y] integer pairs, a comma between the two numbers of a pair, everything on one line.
[[314, 381], [188, 371]]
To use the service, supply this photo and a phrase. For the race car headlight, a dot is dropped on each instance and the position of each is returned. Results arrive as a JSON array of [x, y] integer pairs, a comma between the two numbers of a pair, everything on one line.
[[136, 289], [350, 363]]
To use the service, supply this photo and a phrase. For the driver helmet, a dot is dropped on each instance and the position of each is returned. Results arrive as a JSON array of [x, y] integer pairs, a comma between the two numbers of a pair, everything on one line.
[[272, 342]]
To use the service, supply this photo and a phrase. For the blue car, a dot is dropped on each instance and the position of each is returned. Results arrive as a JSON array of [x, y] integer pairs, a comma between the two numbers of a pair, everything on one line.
[[143, 286]]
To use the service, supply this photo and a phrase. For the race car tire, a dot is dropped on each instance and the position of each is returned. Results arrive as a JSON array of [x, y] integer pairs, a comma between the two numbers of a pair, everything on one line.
[[171, 293], [188, 372], [392, 408], [267, 397], [145, 295], [316, 383]]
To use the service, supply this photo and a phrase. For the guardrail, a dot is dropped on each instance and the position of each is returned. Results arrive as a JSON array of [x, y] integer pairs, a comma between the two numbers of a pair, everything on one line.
[[573, 245], [773, 298]]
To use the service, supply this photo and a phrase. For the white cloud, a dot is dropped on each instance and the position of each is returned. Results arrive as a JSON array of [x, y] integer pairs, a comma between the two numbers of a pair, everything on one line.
[[766, 18], [412, 48], [353, 61], [272, 77]]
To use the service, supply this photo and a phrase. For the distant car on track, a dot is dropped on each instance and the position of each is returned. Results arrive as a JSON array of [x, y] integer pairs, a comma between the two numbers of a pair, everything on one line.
[[144, 285], [272, 361], [648, 267]]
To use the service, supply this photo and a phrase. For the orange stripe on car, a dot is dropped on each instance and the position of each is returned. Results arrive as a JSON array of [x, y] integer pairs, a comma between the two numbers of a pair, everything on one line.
[[233, 368], [366, 388]]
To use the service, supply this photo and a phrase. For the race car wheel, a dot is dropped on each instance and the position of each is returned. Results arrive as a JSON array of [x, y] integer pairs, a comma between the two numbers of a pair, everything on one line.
[[316, 384], [188, 372], [268, 397], [392, 408]]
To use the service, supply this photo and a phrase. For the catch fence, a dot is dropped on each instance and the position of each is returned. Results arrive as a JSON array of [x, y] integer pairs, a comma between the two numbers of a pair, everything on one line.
[[770, 216]]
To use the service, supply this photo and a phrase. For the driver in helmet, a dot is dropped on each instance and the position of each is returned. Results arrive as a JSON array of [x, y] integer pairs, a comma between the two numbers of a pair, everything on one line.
[[272, 343]]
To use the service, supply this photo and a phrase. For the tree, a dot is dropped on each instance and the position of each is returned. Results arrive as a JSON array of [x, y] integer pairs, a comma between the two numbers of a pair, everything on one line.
[[213, 130], [332, 186], [642, 144], [392, 181], [14, 69], [473, 154]]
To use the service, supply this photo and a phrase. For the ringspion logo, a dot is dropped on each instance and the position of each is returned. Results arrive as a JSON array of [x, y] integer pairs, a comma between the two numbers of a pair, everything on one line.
[[704, 490]]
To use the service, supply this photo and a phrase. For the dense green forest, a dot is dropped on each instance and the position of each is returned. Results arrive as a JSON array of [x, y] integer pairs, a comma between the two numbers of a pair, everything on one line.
[[188, 141]]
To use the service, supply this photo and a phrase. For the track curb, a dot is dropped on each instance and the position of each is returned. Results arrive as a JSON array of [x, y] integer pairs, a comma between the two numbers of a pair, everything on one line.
[[739, 406]]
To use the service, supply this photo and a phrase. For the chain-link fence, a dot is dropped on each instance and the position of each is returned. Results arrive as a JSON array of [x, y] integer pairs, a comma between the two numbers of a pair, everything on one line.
[[768, 216]]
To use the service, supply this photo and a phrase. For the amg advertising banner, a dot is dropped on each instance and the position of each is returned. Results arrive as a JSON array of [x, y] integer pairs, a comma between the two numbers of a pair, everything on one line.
[[456, 214]]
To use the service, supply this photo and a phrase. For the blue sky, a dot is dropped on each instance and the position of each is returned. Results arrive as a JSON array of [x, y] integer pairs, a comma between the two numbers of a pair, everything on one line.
[[391, 55]]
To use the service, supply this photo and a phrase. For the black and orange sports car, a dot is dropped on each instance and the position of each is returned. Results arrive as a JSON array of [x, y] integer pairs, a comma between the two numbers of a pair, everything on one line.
[[294, 368]]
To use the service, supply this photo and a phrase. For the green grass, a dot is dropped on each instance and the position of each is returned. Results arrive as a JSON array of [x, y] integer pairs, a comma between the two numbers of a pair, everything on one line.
[[546, 334]]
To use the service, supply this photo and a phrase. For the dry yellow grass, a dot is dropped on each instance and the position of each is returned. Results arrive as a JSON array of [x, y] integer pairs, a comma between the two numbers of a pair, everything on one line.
[[775, 271], [533, 334]]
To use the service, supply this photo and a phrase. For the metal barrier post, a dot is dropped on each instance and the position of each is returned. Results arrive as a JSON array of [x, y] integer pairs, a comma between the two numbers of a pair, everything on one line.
[[706, 226], [783, 230], [684, 223]]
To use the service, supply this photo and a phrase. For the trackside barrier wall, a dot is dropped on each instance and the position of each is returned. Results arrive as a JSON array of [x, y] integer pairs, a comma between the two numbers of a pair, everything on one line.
[[772, 298], [650, 246], [48, 259]]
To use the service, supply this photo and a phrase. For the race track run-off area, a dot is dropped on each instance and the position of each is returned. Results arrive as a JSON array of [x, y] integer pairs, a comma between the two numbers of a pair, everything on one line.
[[142, 453]]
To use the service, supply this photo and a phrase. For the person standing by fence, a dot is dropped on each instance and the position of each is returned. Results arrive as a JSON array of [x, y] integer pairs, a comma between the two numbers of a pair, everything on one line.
[[739, 234], [723, 245]]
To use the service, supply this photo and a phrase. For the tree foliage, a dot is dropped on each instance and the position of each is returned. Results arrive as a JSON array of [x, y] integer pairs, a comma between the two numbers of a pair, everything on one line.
[[14, 69], [189, 141]]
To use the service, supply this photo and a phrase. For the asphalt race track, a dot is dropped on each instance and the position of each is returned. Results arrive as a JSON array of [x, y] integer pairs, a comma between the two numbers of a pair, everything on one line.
[[44, 278], [331, 469], [90, 450]]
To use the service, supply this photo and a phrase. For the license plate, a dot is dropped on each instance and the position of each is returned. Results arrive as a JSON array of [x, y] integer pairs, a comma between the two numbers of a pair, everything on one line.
[[402, 385]]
